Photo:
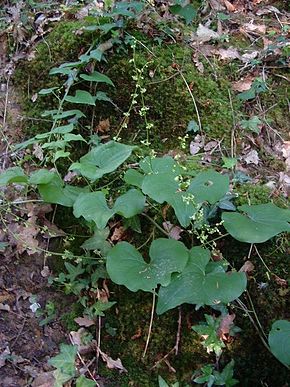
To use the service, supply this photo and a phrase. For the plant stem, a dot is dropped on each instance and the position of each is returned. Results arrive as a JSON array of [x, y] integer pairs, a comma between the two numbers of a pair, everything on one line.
[[151, 323]]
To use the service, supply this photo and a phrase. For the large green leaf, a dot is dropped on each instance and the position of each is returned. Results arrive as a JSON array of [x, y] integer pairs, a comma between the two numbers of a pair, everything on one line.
[[102, 159], [81, 97], [258, 223], [160, 187], [42, 176], [134, 177], [209, 186], [200, 284], [93, 207], [97, 77], [130, 204], [13, 175], [126, 266], [279, 341], [184, 208], [82, 381]]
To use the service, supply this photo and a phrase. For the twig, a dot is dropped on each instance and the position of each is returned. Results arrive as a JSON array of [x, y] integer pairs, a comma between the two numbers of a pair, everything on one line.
[[98, 335], [150, 325], [83, 363], [155, 224], [233, 152], [176, 347], [193, 99]]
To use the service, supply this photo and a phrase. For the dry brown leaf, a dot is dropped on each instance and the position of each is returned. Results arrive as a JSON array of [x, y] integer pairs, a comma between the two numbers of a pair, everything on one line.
[[257, 28], [173, 231], [44, 380], [286, 153], [199, 65], [248, 56], [118, 234], [84, 321], [111, 363], [225, 326], [229, 53], [243, 84], [70, 176], [247, 267], [216, 5], [3, 356], [280, 281], [196, 145], [229, 6], [205, 34], [103, 126], [252, 157]]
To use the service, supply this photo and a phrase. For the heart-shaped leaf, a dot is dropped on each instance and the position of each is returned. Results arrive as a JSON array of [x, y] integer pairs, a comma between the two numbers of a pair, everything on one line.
[[126, 266], [130, 204], [93, 207], [200, 283], [209, 186], [279, 341], [184, 207], [160, 186], [81, 97], [102, 159], [13, 175], [258, 223], [97, 77]]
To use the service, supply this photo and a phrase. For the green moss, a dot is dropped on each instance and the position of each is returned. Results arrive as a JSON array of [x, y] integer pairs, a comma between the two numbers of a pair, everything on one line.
[[252, 194]]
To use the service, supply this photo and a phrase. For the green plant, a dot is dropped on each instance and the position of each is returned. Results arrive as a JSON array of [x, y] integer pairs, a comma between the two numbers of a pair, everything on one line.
[[208, 376]]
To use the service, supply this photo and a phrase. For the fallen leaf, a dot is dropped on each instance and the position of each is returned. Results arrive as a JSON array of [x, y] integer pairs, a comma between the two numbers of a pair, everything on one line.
[[111, 363], [44, 380], [118, 234], [70, 176], [205, 34], [266, 10], [3, 356], [196, 145], [37, 152], [229, 6], [248, 56], [137, 335], [5, 307], [280, 281], [251, 27], [252, 157], [173, 231], [210, 145], [243, 84], [45, 272], [247, 267], [229, 53], [84, 321], [216, 5], [225, 326], [286, 154], [103, 126]]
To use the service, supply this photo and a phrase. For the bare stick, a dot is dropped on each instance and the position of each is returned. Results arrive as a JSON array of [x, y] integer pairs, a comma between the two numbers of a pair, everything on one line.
[[178, 331], [193, 99], [150, 325]]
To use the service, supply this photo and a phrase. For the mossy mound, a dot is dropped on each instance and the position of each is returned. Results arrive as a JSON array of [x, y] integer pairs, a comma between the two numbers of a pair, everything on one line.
[[170, 104]]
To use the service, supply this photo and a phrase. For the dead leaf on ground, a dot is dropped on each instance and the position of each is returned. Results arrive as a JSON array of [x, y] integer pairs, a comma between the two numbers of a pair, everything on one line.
[[247, 267], [118, 234], [243, 84], [205, 34], [111, 363], [229, 53], [3, 356], [280, 281], [248, 56], [5, 307], [252, 157], [225, 325], [44, 380], [37, 152], [229, 6], [103, 126], [196, 145], [286, 153], [173, 231], [251, 27], [137, 335], [84, 321]]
